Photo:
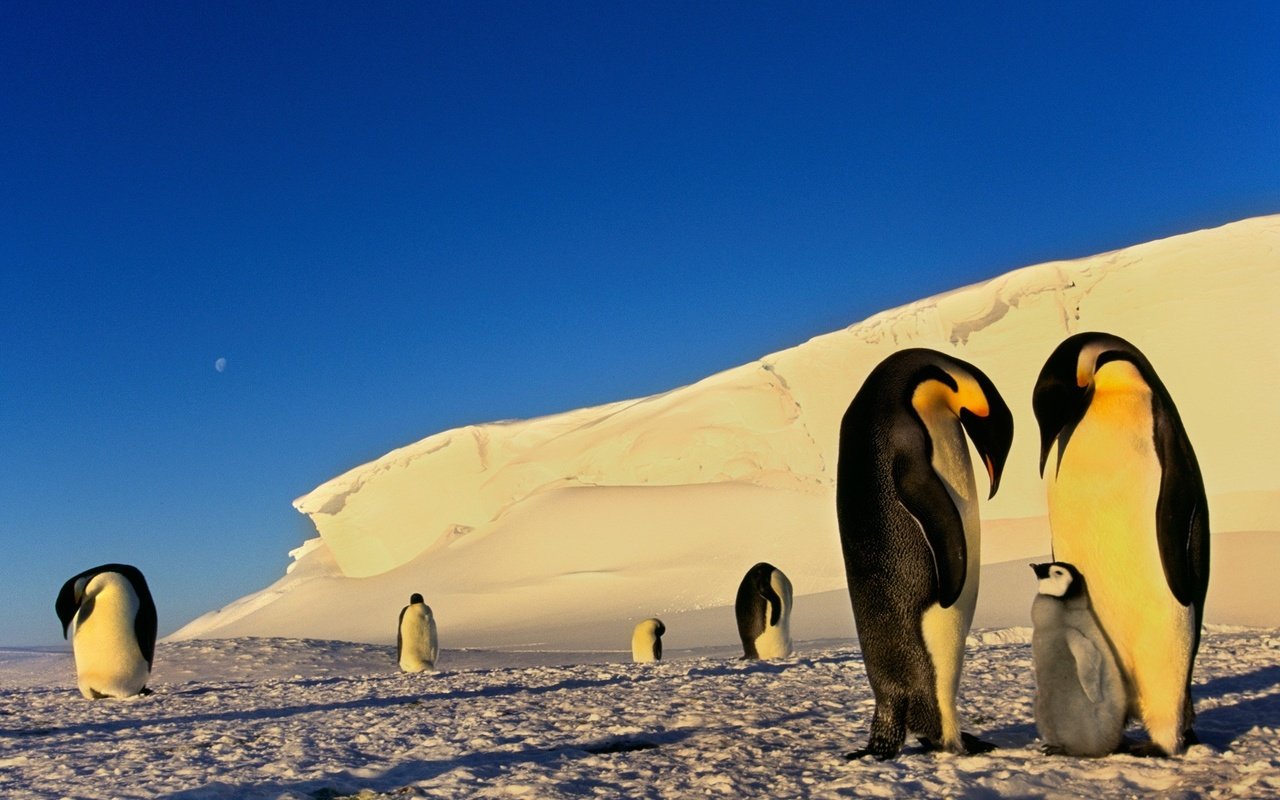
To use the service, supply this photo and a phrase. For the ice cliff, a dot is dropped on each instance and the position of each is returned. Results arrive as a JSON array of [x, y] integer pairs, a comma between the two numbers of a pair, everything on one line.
[[537, 531]]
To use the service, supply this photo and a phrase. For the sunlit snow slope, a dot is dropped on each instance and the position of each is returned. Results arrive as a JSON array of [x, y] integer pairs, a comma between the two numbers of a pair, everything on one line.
[[563, 531]]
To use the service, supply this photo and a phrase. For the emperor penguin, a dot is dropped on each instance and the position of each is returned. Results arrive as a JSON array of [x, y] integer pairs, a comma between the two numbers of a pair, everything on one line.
[[763, 607], [109, 615], [646, 640], [416, 644], [1127, 507], [907, 505], [1080, 694]]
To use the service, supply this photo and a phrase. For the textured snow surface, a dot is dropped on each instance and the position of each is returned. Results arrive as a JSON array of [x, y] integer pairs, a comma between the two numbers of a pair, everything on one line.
[[271, 718]]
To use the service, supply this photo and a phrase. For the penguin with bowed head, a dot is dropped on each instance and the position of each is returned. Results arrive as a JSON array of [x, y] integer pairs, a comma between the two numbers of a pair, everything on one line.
[[907, 505], [108, 614], [1127, 507], [1080, 694], [763, 608], [416, 644], [646, 640]]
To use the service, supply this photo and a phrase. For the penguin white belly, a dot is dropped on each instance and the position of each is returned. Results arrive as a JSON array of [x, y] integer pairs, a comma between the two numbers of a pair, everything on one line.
[[644, 640], [1102, 509], [945, 629], [642, 647], [418, 644], [108, 660], [775, 642]]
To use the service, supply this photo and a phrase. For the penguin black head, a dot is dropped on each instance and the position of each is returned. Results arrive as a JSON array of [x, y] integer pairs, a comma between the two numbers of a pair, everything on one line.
[[1065, 386], [659, 628], [760, 574], [71, 596], [415, 598], [992, 433], [978, 404], [1059, 579]]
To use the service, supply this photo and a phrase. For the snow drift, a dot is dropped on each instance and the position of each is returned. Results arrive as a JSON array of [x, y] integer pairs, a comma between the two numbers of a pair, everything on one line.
[[562, 531]]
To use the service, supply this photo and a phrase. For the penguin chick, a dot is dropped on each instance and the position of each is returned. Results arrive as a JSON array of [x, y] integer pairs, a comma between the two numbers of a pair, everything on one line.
[[1080, 693]]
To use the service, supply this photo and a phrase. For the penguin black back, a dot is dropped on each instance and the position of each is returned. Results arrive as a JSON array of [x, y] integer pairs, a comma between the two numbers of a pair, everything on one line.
[[68, 604]]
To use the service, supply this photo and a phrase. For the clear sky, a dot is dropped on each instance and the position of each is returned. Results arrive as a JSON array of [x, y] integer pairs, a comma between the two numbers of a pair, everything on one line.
[[393, 219]]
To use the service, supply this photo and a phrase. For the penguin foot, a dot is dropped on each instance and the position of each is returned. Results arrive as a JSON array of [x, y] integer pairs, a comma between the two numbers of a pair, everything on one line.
[[975, 746], [878, 755], [969, 745], [144, 691], [1145, 750], [1053, 750], [1189, 737]]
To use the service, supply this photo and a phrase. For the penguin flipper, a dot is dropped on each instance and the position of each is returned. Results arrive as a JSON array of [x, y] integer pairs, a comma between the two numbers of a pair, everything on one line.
[[924, 496], [775, 603], [1088, 664], [1182, 517], [400, 636], [144, 628], [65, 606]]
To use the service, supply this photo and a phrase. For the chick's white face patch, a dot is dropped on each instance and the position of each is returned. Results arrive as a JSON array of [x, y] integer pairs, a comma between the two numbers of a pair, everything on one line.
[[1057, 584]]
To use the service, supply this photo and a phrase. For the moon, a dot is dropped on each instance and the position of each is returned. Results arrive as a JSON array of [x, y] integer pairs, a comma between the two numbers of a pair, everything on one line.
[[220, 365]]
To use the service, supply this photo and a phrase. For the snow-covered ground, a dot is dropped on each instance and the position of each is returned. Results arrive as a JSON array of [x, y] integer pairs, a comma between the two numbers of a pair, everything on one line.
[[271, 718]]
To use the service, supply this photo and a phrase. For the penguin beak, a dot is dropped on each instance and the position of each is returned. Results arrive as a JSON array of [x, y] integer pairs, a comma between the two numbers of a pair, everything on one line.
[[992, 435], [1060, 398], [1058, 410]]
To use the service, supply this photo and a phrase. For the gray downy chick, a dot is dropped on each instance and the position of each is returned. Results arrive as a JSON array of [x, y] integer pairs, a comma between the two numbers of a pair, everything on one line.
[[1080, 693]]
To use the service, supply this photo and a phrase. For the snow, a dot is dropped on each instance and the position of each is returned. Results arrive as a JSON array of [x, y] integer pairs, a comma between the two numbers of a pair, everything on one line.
[[541, 532], [289, 718]]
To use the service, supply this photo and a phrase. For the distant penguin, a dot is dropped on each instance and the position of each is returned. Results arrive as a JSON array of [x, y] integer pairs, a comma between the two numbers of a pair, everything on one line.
[[109, 615], [907, 505], [1127, 507], [1080, 693], [763, 607], [646, 640], [416, 644]]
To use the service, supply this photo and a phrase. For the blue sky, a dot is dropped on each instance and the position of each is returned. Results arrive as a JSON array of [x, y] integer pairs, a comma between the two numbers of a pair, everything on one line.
[[393, 219]]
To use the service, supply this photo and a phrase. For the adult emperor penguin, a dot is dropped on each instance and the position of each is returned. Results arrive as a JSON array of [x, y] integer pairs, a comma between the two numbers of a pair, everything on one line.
[[416, 643], [763, 607], [646, 640], [1080, 693], [109, 615], [907, 504], [1127, 507]]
